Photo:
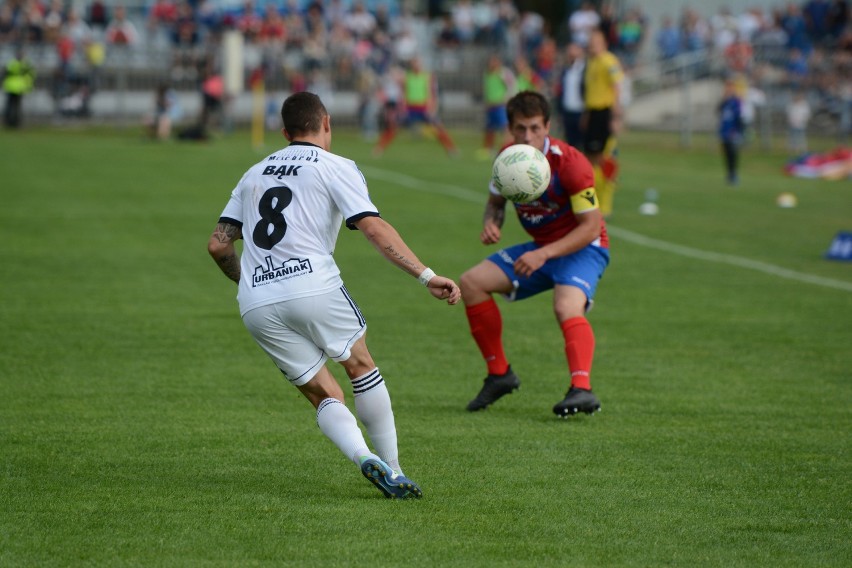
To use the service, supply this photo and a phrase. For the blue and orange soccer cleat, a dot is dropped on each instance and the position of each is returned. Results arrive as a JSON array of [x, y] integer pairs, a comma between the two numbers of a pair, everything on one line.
[[393, 485]]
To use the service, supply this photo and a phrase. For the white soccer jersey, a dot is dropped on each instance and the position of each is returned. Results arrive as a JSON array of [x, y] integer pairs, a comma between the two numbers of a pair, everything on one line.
[[290, 207]]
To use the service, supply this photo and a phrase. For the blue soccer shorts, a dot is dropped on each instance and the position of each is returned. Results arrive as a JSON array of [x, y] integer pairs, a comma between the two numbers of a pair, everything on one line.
[[496, 119], [582, 269]]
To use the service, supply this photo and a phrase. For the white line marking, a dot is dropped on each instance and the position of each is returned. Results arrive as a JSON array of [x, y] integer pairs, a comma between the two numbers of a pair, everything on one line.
[[635, 238]]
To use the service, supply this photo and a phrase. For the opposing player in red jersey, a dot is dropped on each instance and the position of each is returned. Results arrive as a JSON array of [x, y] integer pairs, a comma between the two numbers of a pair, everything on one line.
[[568, 254]]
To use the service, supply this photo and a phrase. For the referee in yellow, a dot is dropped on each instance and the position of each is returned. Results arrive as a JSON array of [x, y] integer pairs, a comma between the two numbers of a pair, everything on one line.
[[603, 116]]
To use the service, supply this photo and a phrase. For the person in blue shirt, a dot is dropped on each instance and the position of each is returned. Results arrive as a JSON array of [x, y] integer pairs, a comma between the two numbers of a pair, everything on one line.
[[669, 41], [731, 130]]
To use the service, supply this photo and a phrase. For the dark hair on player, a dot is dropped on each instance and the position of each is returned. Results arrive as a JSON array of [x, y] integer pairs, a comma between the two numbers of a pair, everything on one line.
[[528, 104], [302, 113]]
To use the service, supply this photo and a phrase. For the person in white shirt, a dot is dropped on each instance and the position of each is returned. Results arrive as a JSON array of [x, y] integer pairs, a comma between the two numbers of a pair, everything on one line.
[[798, 116], [288, 208], [582, 22], [571, 94]]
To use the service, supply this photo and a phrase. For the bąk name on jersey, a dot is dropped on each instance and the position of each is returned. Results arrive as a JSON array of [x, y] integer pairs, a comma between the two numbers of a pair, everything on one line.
[[281, 171]]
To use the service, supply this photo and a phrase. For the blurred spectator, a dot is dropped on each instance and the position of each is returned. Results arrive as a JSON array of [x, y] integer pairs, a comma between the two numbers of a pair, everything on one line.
[[838, 18], [77, 29], [845, 111], [749, 23], [162, 15], [796, 68], [630, 35], [816, 13], [570, 92], [751, 99], [725, 28], [273, 30], [771, 39], [186, 30], [33, 21], [120, 31], [248, 21], [696, 32], [405, 46], [314, 50], [462, 16], [507, 20], [738, 55], [360, 21], [609, 23], [208, 16], [334, 12], [212, 99], [669, 40], [531, 32], [383, 18], [314, 17], [7, 24], [98, 15], [18, 80], [798, 116], [582, 22], [297, 28], [54, 19], [485, 16], [166, 113], [730, 130], [448, 37], [545, 59], [369, 105], [794, 24]]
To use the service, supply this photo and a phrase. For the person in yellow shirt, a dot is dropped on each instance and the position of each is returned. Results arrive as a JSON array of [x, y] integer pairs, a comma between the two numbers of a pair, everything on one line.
[[18, 79], [602, 119]]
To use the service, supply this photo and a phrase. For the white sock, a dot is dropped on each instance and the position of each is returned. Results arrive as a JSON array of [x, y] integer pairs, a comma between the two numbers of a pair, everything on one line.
[[340, 426], [373, 405]]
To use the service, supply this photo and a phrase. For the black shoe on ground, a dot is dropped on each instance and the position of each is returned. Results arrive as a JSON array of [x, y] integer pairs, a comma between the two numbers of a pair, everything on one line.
[[577, 400], [494, 387]]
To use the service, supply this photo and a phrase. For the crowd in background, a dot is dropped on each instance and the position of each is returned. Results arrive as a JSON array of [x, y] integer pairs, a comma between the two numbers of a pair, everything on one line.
[[353, 43]]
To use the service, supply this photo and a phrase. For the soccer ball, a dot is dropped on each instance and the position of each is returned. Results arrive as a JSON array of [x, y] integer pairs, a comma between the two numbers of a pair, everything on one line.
[[786, 200], [521, 173]]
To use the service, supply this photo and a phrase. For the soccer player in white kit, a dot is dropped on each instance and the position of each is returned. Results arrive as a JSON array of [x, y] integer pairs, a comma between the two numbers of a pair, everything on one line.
[[288, 208]]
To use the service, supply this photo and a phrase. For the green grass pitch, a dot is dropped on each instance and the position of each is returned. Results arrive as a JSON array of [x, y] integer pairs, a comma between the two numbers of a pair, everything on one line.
[[140, 425]]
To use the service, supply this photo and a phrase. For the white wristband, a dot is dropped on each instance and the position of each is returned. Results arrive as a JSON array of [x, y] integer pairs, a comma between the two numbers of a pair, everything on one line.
[[426, 276]]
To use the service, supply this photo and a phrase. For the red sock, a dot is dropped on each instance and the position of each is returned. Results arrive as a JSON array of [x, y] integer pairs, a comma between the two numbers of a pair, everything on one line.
[[579, 349], [489, 140], [486, 326], [445, 140], [386, 138]]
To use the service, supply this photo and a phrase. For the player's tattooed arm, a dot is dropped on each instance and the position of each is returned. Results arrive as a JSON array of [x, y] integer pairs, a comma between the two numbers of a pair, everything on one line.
[[495, 212], [492, 220], [387, 241], [400, 259], [227, 233], [221, 248]]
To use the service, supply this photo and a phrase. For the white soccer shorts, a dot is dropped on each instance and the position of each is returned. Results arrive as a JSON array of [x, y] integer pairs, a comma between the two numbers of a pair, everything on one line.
[[301, 334]]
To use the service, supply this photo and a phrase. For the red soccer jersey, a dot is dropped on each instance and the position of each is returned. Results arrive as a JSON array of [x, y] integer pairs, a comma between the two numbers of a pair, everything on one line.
[[551, 217]]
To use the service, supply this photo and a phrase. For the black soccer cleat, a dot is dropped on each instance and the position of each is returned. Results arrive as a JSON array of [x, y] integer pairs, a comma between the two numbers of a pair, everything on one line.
[[493, 388], [577, 400]]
